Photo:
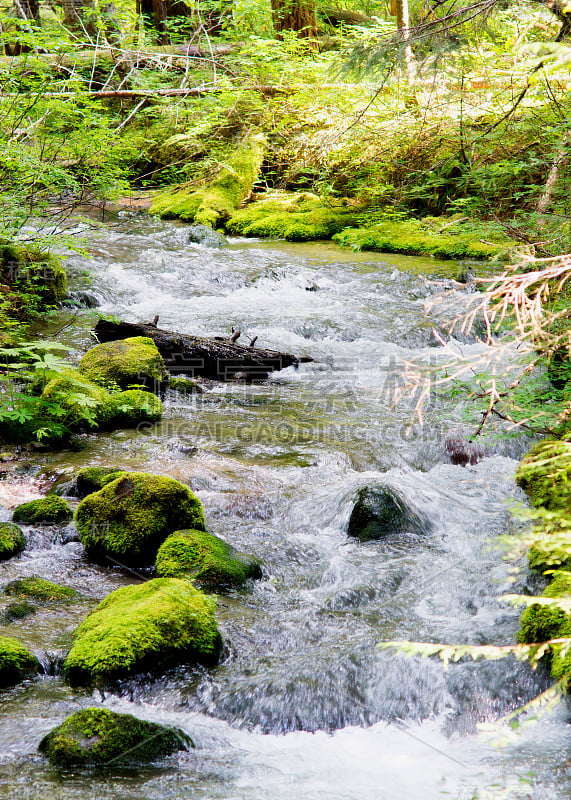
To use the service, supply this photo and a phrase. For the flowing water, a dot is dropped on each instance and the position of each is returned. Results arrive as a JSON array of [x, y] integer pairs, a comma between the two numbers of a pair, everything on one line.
[[304, 704]]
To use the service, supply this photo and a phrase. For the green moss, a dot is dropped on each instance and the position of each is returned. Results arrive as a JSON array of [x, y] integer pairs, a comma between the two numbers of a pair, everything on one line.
[[32, 272], [414, 237], [129, 518], [295, 217], [539, 623], [17, 611], [86, 403], [214, 204], [96, 736], [185, 386], [545, 474], [134, 406], [128, 362], [91, 479], [12, 540], [50, 510], [206, 559], [40, 589], [16, 662], [151, 626]]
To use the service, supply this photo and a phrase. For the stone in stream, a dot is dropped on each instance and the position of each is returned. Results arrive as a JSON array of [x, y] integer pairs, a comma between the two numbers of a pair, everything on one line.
[[50, 510], [205, 235], [16, 662], [12, 540], [92, 479], [127, 520], [380, 511], [125, 363], [206, 559], [151, 626], [40, 589], [99, 737]]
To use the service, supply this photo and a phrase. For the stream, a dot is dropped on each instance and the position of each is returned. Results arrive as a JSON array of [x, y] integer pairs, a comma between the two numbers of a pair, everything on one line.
[[304, 704]]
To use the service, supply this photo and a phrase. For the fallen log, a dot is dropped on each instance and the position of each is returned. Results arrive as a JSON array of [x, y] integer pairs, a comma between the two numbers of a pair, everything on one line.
[[215, 358]]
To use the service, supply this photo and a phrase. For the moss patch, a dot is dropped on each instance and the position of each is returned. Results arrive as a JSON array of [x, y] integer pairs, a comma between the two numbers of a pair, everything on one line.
[[440, 238], [17, 611], [129, 518], [50, 510], [135, 406], [86, 403], [128, 362], [540, 623], [12, 540], [545, 474], [40, 589], [295, 217], [214, 204], [91, 479], [16, 662], [96, 736], [206, 559], [162, 622]]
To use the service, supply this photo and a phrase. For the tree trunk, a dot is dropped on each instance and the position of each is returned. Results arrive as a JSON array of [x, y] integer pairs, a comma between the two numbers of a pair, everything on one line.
[[79, 16], [216, 358], [403, 26], [157, 12], [295, 15]]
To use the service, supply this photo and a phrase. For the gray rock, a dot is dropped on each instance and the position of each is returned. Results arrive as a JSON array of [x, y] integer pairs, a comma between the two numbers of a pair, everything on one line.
[[202, 234], [379, 511]]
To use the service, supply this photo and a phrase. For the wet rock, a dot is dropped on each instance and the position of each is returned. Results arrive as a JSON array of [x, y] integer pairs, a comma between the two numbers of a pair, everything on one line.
[[380, 511], [12, 540], [206, 559], [127, 520], [50, 510], [16, 662], [153, 625], [40, 589], [124, 363], [92, 479], [96, 736], [17, 611], [204, 235]]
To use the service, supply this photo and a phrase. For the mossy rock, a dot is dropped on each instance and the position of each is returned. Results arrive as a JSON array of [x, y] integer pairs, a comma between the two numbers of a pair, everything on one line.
[[30, 270], [128, 362], [206, 559], [16, 662], [545, 474], [294, 217], [416, 237], [157, 624], [91, 479], [86, 403], [50, 510], [130, 517], [135, 406], [539, 623], [98, 737], [37, 588], [204, 235], [214, 204], [20, 609], [12, 540], [379, 511]]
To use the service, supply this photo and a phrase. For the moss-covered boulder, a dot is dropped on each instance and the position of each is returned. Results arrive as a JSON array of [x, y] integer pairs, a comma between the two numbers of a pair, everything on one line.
[[16, 611], [50, 510], [129, 518], [91, 479], [539, 623], [12, 540], [36, 588], [159, 623], [31, 270], [295, 217], [545, 474], [135, 406], [215, 203], [125, 363], [98, 737], [206, 559], [86, 404], [16, 662], [380, 511]]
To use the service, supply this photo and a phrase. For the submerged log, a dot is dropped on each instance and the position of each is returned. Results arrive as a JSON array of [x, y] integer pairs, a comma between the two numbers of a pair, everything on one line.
[[215, 358]]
